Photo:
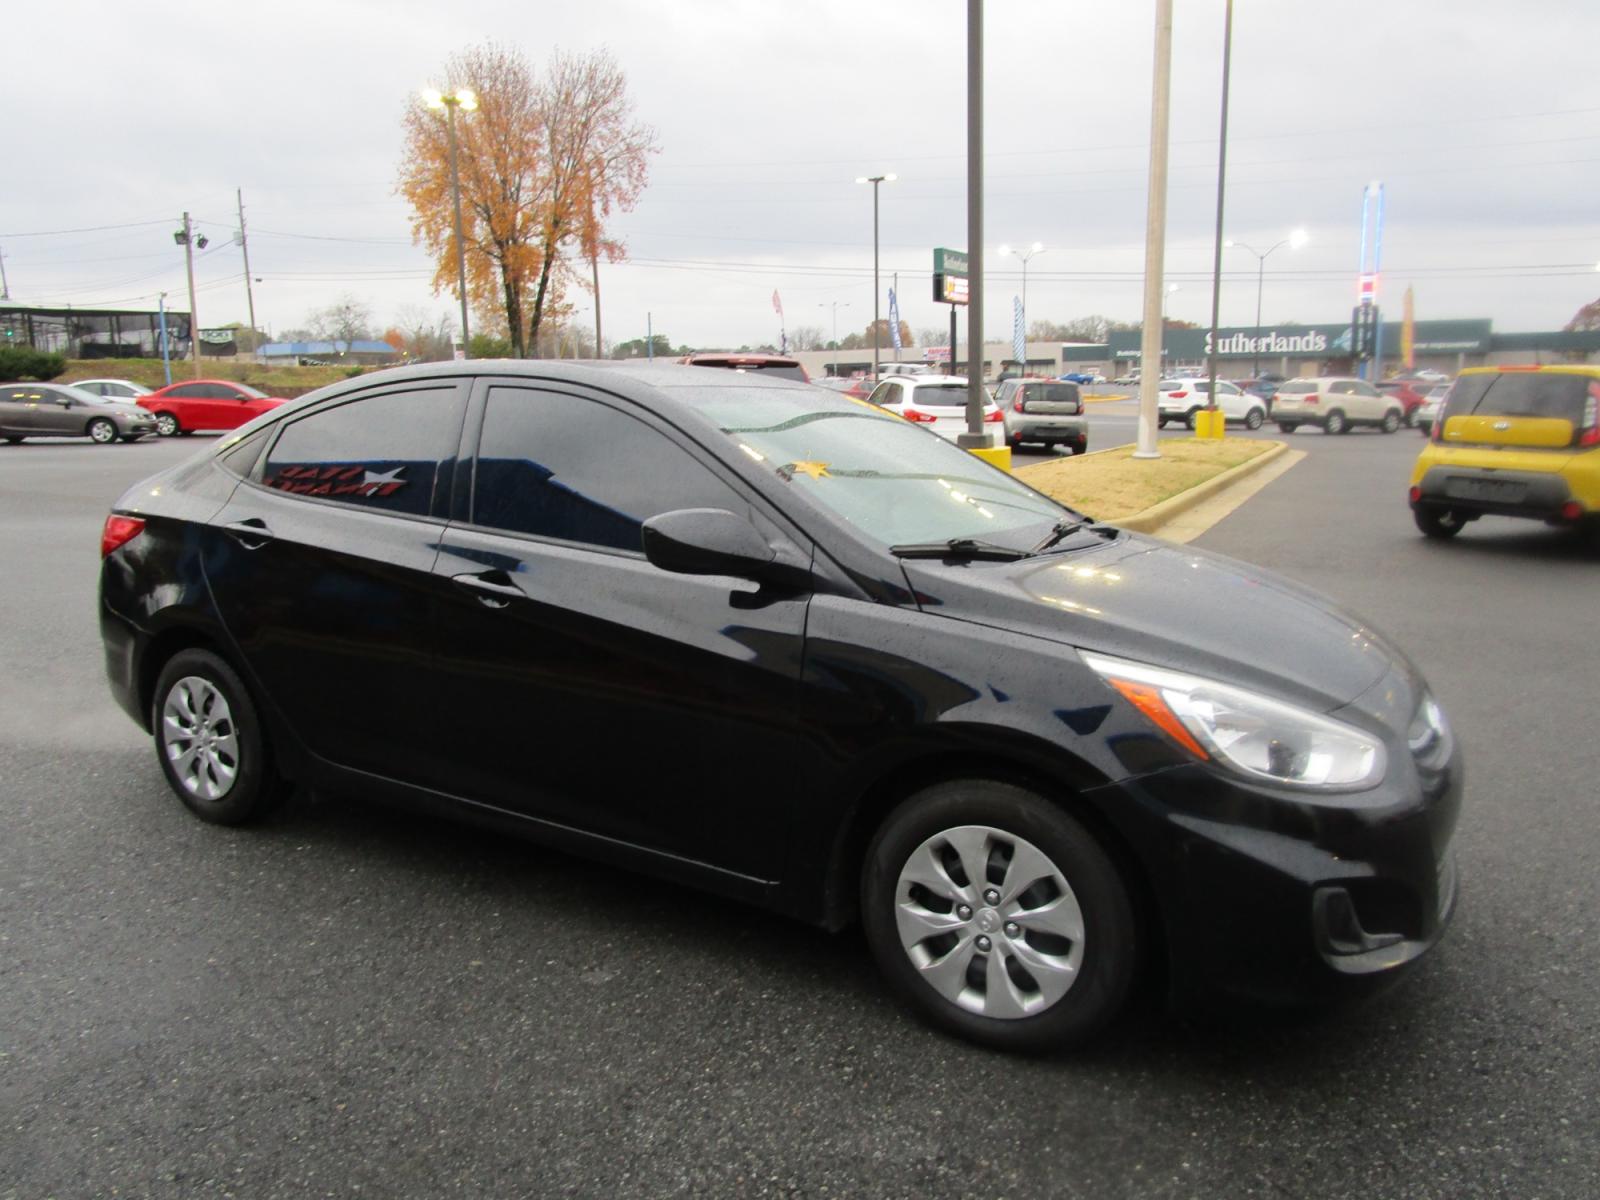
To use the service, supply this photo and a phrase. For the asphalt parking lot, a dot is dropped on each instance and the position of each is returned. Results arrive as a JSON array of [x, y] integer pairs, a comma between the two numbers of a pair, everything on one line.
[[351, 1001]]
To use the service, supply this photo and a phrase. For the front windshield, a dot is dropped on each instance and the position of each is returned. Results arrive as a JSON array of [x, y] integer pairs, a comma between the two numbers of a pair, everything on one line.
[[894, 482]]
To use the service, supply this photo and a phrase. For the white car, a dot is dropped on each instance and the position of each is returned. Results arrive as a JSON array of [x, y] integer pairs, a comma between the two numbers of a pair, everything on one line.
[[113, 389], [936, 402], [1182, 398], [1428, 411], [1337, 404]]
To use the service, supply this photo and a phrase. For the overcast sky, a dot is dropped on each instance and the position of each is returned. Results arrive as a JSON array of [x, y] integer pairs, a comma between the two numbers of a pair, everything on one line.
[[1482, 120]]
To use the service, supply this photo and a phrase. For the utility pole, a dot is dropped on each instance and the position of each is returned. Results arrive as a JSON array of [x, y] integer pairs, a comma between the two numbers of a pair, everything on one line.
[[194, 317], [166, 362], [244, 244], [594, 265], [974, 437], [1216, 254], [5, 287], [1155, 236]]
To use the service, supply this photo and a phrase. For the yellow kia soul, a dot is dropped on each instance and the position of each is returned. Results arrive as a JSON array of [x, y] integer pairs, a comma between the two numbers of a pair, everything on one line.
[[1515, 441]]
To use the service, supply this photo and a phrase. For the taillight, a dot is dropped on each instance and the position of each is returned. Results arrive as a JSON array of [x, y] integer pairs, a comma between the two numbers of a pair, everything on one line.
[[1416, 493], [1436, 430], [1313, 398], [1177, 395], [1589, 433], [1016, 406], [912, 414], [119, 531], [992, 416]]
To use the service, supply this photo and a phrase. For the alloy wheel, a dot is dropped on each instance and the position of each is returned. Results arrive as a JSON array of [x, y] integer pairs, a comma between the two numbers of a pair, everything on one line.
[[102, 431], [166, 424]]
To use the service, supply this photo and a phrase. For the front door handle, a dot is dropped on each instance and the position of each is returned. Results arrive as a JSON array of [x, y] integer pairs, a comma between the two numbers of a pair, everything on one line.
[[494, 589], [251, 533]]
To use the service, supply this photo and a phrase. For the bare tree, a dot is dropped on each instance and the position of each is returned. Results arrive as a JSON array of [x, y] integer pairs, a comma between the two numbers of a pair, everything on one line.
[[346, 320], [428, 337], [806, 337]]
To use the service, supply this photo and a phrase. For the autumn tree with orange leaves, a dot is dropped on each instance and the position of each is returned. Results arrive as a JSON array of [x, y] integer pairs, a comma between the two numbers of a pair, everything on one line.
[[544, 162]]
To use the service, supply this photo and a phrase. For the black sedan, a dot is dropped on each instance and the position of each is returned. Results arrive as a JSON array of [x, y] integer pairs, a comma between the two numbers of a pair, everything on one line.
[[749, 635]]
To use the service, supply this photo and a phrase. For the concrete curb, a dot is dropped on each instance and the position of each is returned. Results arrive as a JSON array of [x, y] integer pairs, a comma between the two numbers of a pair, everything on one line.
[[1153, 518]]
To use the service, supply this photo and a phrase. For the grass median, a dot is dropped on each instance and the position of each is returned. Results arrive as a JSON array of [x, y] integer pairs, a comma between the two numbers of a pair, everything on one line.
[[148, 371], [1112, 484]]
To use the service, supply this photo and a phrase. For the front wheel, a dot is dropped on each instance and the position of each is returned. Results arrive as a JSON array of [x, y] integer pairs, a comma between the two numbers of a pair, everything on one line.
[[1391, 421], [210, 742], [1334, 422], [1287, 426], [999, 917], [102, 431], [166, 424], [1254, 419], [1438, 523]]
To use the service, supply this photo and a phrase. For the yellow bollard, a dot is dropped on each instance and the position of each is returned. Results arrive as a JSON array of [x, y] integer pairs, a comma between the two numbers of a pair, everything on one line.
[[995, 456], [1210, 425]]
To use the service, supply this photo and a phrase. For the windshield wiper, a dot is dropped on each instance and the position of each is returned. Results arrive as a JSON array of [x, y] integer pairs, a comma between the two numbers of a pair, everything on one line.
[[1061, 529], [962, 548]]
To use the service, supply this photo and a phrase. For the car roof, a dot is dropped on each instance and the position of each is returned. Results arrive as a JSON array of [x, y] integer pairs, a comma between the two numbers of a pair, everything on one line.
[[1543, 368]]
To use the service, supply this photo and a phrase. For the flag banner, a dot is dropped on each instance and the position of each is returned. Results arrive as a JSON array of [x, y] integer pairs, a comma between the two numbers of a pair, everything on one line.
[[894, 319], [1019, 344], [777, 304], [1408, 332]]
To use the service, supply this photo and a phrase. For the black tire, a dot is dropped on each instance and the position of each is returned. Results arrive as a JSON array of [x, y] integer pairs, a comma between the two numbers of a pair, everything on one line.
[[13, 441], [132, 437], [1287, 426], [1438, 523], [1161, 422], [1081, 447], [255, 788], [1391, 421], [101, 431], [1192, 418], [1254, 419], [1110, 942], [167, 425], [1334, 422], [1426, 427]]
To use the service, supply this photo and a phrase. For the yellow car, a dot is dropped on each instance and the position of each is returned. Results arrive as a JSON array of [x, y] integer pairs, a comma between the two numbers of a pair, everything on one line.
[[1513, 441]]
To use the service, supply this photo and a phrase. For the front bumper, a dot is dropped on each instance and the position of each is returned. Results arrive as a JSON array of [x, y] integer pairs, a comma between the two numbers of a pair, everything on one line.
[[1541, 495]]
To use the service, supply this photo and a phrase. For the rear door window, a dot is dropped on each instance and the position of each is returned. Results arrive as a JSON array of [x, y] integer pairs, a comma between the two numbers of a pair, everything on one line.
[[554, 465], [386, 452]]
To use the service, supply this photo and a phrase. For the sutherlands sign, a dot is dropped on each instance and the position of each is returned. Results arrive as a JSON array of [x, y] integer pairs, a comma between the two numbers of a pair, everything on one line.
[[1309, 342]]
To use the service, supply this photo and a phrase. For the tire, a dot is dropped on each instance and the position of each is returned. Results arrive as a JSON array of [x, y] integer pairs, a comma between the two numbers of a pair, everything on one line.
[[1334, 422], [167, 424], [1391, 421], [101, 431], [1440, 523], [1426, 427], [132, 437], [1080, 447], [1254, 419], [1054, 984], [215, 758], [1287, 426], [1161, 422], [13, 441], [1192, 417]]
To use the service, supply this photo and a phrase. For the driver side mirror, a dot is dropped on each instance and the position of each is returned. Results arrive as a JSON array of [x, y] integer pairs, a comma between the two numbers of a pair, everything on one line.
[[707, 541]]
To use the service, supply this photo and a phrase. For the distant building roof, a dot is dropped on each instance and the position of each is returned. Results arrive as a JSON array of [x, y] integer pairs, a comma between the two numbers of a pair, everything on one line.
[[292, 349]]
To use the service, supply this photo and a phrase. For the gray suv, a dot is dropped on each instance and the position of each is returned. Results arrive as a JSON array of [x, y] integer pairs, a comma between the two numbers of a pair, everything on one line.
[[1044, 411], [56, 410]]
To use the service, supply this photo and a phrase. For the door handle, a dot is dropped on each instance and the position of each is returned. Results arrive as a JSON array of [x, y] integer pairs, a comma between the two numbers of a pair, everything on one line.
[[251, 533], [494, 589]]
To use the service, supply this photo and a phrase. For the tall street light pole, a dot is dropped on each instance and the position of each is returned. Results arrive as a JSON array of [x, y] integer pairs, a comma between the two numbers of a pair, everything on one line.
[[1024, 255], [1294, 241], [875, 180], [466, 100], [975, 437], [836, 306], [1155, 235]]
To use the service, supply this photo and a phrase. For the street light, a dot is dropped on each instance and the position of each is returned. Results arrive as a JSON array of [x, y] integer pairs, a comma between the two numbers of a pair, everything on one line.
[[466, 100], [1294, 241], [836, 306], [875, 180], [1024, 255]]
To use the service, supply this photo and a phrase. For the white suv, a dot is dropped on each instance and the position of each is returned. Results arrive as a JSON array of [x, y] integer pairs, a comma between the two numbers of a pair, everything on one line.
[[1180, 399], [1338, 405]]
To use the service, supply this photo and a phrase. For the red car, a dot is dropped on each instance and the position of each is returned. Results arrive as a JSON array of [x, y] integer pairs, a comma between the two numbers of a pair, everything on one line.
[[206, 404], [1410, 399]]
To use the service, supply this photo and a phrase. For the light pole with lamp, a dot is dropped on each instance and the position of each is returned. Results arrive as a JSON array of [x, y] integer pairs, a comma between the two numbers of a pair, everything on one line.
[[1294, 241], [1024, 255], [835, 305], [875, 180], [466, 100]]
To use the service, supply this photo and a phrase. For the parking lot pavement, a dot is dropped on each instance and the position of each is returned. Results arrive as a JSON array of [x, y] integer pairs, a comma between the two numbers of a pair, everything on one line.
[[355, 1001]]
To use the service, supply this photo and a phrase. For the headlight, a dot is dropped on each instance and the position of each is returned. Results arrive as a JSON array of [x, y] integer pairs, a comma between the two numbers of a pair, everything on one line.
[[1252, 735]]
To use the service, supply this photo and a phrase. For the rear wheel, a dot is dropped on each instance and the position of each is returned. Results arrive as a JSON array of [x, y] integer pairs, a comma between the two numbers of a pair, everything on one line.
[[1391, 421], [1334, 422], [166, 424], [210, 742], [1161, 422], [1192, 418], [1438, 522], [1254, 419], [1287, 426], [102, 431], [1081, 447], [999, 917]]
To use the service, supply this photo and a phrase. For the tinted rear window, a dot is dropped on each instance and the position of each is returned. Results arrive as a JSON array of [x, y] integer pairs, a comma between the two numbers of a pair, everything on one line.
[[1527, 394], [940, 395], [1054, 393], [1298, 388]]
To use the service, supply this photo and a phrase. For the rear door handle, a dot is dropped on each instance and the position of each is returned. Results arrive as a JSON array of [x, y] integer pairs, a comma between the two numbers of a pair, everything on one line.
[[493, 588], [251, 533]]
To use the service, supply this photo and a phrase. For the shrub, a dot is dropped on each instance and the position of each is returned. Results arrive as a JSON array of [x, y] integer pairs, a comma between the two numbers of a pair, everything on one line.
[[24, 362]]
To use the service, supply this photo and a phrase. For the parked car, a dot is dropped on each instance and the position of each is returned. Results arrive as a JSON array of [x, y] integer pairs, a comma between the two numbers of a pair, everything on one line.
[[1425, 416], [206, 404], [1410, 398], [112, 389], [1336, 404], [1044, 413], [1130, 379], [61, 410], [1182, 399], [777, 365], [1513, 441], [1083, 378], [751, 636], [1264, 387], [937, 402]]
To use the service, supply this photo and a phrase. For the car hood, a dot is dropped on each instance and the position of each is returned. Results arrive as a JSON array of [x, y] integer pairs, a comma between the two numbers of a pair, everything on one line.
[[1172, 606]]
